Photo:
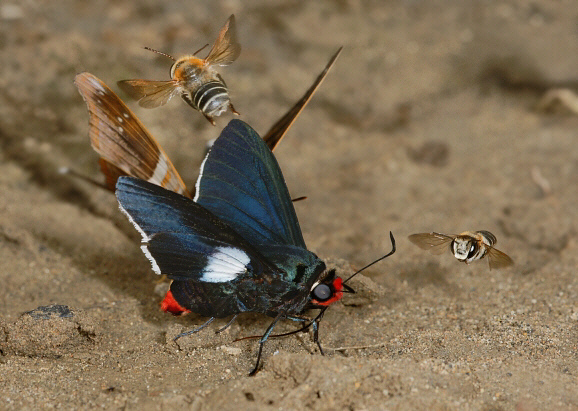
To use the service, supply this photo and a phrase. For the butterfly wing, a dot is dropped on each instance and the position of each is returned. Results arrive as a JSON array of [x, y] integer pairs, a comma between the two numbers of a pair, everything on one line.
[[216, 271], [435, 243], [226, 48], [241, 183], [278, 130], [124, 144], [111, 173], [149, 93]]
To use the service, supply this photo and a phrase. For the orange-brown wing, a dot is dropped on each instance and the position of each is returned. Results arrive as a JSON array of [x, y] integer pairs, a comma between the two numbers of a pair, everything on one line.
[[149, 93], [498, 259], [435, 243], [111, 173], [226, 48], [124, 144], [279, 129]]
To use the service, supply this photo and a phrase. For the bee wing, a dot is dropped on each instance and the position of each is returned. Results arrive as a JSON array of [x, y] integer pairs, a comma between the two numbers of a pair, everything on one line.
[[226, 48], [435, 243], [278, 130], [498, 259], [124, 144], [149, 93]]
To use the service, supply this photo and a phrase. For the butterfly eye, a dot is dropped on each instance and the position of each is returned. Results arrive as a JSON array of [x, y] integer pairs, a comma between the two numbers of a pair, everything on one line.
[[322, 292]]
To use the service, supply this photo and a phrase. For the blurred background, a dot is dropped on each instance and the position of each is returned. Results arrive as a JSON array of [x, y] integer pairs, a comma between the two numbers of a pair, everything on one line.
[[432, 119]]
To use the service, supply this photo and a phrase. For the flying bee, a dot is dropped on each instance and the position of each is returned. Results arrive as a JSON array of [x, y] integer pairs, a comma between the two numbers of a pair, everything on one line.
[[194, 78], [466, 247]]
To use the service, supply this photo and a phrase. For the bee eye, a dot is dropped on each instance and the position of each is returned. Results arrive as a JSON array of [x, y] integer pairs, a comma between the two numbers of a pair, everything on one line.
[[473, 251], [322, 292]]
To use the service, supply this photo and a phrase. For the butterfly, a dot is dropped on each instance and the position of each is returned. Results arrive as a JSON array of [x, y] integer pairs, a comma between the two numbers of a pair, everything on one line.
[[236, 246], [127, 148]]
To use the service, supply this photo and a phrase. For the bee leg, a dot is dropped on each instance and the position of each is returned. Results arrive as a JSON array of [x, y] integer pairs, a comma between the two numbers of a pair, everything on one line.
[[220, 330], [235, 112], [210, 119], [210, 320], [264, 339]]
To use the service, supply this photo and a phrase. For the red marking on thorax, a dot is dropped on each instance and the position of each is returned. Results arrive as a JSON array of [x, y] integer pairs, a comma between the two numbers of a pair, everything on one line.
[[170, 305]]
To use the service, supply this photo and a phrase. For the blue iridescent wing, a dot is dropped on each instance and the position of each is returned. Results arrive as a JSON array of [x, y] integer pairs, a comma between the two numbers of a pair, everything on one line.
[[216, 271], [241, 183], [184, 240]]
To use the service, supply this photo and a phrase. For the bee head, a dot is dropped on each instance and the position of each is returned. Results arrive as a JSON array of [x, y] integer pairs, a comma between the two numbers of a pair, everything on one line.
[[465, 249]]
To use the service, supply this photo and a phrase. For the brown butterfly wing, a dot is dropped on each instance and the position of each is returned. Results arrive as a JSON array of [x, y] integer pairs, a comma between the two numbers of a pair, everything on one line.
[[279, 129], [124, 144], [111, 173]]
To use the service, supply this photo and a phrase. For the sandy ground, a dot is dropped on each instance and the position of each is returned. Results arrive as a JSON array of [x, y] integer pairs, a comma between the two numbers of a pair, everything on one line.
[[428, 122]]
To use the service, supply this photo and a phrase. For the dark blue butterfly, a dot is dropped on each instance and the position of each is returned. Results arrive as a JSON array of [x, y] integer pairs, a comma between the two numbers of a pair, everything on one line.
[[237, 247]]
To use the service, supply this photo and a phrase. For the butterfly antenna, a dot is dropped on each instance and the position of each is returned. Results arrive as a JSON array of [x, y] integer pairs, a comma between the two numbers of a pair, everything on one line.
[[160, 52], [76, 174], [378, 260], [201, 49]]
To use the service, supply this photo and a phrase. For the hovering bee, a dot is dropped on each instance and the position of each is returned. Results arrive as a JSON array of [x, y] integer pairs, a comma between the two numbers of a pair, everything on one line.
[[194, 78], [467, 246]]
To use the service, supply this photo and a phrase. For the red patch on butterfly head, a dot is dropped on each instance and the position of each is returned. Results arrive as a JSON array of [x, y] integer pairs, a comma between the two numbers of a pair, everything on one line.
[[337, 293]]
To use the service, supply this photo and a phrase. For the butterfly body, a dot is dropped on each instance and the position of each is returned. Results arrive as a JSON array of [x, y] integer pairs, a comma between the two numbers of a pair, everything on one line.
[[195, 79]]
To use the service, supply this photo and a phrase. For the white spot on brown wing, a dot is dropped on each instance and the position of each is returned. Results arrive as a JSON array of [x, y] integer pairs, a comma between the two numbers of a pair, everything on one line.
[[125, 115], [119, 118], [120, 129], [96, 84], [160, 171]]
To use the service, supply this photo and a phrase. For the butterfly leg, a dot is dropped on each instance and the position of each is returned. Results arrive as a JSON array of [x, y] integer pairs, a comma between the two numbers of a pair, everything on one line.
[[209, 321], [298, 319], [220, 330], [316, 331], [264, 339], [312, 323]]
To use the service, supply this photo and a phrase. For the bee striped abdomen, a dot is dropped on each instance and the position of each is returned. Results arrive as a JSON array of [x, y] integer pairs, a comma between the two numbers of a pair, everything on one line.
[[489, 237], [211, 98]]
